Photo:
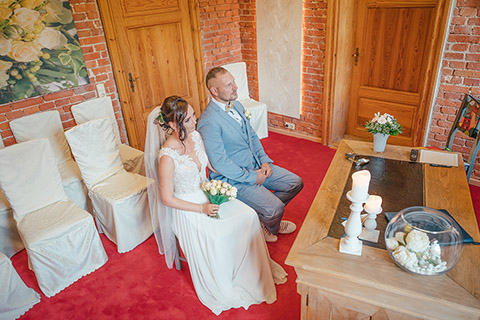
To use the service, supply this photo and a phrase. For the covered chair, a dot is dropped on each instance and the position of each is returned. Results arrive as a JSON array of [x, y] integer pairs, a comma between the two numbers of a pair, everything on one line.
[[119, 198], [49, 125], [61, 240], [132, 158], [15, 297], [468, 122], [10, 242], [259, 120]]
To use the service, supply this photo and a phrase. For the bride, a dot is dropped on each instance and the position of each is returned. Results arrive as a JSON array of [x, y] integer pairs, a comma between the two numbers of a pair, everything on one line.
[[227, 257]]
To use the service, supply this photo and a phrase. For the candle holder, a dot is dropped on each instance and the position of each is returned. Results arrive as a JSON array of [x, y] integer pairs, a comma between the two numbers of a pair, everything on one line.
[[368, 231], [353, 227]]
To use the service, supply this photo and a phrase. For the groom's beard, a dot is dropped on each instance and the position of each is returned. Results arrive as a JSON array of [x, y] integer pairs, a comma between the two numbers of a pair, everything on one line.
[[231, 97], [234, 95]]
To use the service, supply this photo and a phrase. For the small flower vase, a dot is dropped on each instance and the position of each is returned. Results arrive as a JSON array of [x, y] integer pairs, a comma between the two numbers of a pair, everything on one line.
[[379, 142]]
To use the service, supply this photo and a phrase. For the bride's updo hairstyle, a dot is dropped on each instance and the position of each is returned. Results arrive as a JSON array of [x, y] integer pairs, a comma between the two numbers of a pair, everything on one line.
[[174, 109]]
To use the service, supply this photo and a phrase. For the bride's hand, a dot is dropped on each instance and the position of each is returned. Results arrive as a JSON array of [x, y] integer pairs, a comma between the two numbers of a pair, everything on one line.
[[210, 209]]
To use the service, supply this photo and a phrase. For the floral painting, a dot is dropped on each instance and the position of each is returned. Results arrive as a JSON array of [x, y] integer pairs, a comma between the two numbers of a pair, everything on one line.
[[39, 49]]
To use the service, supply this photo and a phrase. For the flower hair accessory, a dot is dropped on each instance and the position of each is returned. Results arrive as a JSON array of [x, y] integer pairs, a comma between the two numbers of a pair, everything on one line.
[[159, 119], [247, 114]]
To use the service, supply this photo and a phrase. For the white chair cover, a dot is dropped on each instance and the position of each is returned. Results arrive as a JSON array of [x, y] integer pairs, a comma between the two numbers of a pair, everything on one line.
[[259, 120], [15, 297], [43, 125], [28, 178], [49, 125], [10, 242], [164, 235], [93, 145], [61, 240], [259, 117], [132, 158], [94, 109], [239, 72], [119, 198]]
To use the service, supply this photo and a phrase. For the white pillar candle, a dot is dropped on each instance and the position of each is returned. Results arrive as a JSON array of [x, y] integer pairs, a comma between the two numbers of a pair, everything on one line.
[[373, 204], [360, 183]]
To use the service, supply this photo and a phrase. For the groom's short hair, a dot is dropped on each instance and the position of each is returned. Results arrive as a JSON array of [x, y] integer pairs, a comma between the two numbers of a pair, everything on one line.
[[213, 74]]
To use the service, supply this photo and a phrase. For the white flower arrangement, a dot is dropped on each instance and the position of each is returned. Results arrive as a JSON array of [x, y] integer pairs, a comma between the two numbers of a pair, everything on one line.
[[247, 114], [219, 192], [384, 123], [413, 250]]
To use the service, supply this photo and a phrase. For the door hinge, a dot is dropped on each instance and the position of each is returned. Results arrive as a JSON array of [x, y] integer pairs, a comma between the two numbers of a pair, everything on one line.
[[306, 302]]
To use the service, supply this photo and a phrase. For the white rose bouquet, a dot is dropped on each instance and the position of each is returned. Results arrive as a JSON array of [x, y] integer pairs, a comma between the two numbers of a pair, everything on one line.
[[219, 192], [385, 124], [413, 250]]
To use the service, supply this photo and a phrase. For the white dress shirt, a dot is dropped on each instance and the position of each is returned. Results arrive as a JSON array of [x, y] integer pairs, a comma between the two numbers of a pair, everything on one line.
[[232, 113]]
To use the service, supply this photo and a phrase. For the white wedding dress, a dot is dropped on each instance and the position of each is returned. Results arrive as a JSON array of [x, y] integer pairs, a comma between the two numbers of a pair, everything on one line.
[[228, 258]]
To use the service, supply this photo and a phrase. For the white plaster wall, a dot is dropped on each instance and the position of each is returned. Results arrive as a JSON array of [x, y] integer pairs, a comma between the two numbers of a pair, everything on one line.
[[279, 50]]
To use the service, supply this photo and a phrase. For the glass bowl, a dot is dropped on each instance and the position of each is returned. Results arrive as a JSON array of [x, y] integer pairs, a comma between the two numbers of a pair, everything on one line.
[[424, 241]]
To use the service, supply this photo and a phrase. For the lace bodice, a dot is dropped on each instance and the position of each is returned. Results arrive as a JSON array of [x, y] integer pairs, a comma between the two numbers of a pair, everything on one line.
[[187, 178]]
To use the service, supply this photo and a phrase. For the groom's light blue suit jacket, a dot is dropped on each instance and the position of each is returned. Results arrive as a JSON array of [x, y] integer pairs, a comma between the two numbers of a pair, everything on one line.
[[233, 151]]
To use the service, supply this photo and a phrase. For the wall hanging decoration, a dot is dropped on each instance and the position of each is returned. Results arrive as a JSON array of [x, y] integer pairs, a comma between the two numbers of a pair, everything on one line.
[[39, 49]]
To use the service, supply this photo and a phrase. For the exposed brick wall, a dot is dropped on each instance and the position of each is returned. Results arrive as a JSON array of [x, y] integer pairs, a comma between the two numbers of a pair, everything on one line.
[[248, 33], [313, 46], [460, 72], [220, 28], [216, 52], [92, 41], [229, 34]]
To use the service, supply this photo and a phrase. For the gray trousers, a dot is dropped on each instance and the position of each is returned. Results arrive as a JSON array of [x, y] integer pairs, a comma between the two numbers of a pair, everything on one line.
[[271, 205]]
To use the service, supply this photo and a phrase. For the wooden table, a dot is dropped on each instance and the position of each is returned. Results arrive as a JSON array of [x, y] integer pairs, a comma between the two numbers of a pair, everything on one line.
[[334, 285]]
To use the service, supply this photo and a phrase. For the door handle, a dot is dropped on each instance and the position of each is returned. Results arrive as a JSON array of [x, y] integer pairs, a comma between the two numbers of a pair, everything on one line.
[[356, 55], [132, 84]]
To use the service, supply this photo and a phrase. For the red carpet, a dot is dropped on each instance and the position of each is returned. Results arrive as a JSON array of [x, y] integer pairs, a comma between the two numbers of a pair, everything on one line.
[[138, 285]]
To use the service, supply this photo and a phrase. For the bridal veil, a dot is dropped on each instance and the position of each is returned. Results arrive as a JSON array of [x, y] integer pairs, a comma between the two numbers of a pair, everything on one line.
[[161, 215]]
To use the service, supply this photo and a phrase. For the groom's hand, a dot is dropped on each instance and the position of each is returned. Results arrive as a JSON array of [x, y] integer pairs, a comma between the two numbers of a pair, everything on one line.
[[266, 169], [261, 176]]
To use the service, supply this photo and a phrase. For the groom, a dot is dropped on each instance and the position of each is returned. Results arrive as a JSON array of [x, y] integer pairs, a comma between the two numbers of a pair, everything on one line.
[[236, 153]]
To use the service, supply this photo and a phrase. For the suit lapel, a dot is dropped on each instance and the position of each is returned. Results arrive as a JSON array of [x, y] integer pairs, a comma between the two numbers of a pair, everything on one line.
[[244, 120], [234, 124], [248, 135]]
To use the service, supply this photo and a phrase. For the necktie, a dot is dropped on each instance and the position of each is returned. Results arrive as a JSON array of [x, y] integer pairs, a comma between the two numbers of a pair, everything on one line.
[[229, 106]]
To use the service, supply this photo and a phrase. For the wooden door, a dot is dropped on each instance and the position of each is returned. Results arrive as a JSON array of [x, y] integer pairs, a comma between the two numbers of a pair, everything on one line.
[[155, 50], [398, 46]]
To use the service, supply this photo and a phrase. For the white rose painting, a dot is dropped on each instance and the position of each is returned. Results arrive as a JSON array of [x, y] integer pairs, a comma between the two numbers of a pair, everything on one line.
[[39, 49]]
